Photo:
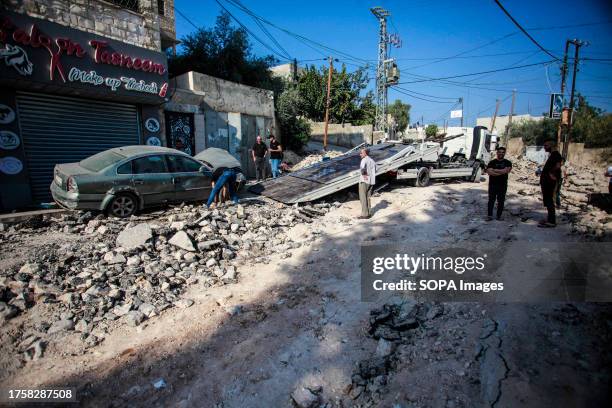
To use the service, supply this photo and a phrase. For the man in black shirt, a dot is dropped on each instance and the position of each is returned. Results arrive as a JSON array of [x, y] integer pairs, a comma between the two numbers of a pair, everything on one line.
[[549, 177], [276, 155], [498, 170], [259, 157]]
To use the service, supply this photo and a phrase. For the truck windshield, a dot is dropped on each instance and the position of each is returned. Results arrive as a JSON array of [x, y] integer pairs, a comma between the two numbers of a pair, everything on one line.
[[101, 160]]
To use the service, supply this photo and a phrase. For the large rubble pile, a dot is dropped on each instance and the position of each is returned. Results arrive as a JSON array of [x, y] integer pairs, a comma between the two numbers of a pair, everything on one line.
[[134, 269], [315, 158], [581, 184]]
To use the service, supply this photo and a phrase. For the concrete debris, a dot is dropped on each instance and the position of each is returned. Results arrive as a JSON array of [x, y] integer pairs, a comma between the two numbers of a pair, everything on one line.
[[134, 318], [182, 240], [134, 237], [315, 158], [304, 398], [138, 267], [61, 325]]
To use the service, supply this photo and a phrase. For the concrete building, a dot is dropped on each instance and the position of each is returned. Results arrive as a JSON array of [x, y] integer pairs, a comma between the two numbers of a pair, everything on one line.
[[77, 77], [210, 112], [502, 121], [288, 71]]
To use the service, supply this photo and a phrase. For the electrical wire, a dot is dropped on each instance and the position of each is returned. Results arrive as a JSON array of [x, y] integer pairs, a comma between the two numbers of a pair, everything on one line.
[[251, 33], [478, 73], [268, 34], [516, 23], [299, 37]]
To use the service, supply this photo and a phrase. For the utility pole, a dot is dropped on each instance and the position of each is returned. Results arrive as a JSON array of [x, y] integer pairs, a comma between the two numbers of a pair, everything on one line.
[[507, 135], [568, 136], [387, 73], [497, 103], [461, 111], [563, 76], [329, 77], [380, 122]]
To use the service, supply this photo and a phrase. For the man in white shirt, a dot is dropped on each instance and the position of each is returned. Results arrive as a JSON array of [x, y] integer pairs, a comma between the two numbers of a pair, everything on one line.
[[367, 180]]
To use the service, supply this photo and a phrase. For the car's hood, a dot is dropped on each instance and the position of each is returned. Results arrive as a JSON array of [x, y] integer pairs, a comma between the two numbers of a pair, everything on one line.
[[218, 158]]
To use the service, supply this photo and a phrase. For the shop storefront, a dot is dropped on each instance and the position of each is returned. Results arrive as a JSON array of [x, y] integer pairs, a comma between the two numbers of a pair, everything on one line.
[[66, 94]]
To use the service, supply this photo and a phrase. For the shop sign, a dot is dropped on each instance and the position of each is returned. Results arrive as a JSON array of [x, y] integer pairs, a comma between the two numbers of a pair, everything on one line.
[[9, 140], [10, 165], [153, 141], [42, 51], [7, 114], [152, 125]]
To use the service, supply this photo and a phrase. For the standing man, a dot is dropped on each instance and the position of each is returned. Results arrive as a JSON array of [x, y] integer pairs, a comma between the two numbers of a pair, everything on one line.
[[222, 177], [498, 170], [259, 151], [367, 180], [609, 174], [549, 178], [276, 155]]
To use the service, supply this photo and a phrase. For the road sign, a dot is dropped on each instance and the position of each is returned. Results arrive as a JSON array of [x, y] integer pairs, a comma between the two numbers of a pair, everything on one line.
[[556, 106], [456, 114]]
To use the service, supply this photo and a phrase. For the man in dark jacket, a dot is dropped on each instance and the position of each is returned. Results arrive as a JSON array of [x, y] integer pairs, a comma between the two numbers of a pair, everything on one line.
[[498, 170], [259, 151], [549, 177]]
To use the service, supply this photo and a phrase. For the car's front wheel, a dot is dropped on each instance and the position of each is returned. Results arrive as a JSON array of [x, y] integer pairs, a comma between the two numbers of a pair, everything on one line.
[[122, 205]]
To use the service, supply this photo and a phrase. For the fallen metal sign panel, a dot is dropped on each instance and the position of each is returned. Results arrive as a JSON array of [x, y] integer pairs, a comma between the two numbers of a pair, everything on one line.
[[329, 176]]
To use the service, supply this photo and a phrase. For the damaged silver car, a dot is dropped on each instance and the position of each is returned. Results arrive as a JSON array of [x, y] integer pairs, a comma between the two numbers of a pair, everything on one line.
[[123, 180]]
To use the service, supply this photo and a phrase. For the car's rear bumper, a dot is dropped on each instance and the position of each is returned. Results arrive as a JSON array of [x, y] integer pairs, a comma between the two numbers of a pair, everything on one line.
[[74, 201]]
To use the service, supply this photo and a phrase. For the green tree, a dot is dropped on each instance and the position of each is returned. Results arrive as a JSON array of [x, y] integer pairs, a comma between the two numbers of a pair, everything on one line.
[[224, 52], [295, 130], [592, 126], [431, 130], [400, 112], [346, 102], [535, 132]]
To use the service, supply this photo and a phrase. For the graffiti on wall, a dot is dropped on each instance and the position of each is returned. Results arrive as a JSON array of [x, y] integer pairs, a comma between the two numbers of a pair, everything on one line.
[[180, 131]]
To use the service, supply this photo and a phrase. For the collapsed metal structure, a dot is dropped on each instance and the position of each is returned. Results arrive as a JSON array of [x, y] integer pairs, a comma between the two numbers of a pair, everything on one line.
[[336, 174]]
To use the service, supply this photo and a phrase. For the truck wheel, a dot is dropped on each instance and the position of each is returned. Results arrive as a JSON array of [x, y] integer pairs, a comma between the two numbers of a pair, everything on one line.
[[122, 205], [422, 177]]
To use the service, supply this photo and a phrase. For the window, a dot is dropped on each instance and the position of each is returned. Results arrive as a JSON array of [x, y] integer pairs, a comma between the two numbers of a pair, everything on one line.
[[125, 168], [180, 164], [161, 9], [126, 4], [101, 160], [149, 165]]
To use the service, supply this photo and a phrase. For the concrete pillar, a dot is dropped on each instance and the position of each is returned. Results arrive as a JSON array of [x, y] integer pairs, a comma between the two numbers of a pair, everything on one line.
[[200, 132]]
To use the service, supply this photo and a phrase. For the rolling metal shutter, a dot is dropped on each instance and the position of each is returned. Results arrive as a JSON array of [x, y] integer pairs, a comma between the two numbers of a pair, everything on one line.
[[57, 129]]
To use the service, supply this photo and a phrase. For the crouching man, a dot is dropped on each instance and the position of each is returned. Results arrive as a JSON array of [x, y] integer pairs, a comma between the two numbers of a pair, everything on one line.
[[221, 177]]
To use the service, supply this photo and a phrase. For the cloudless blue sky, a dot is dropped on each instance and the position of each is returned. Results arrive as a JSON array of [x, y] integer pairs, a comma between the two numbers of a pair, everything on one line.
[[438, 29]]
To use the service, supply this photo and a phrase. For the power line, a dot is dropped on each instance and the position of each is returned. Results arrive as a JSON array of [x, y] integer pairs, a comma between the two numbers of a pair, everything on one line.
[[406, 92], [251, 33], [478, 73], [516, 23], [186, 18], [299, 37], [426, 95], [269, 35]]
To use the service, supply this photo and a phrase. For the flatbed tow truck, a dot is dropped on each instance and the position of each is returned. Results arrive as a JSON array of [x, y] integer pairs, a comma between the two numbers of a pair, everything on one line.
[[419, 162]]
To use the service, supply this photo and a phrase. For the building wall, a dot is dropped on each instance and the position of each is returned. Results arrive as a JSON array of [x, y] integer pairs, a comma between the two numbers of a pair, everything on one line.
[[502, 121], [226, 114], [345, 135], [224, 96], [141, 28]]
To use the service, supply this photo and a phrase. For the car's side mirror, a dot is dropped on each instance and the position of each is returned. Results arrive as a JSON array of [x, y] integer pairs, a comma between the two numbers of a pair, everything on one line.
[[203, 169]]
